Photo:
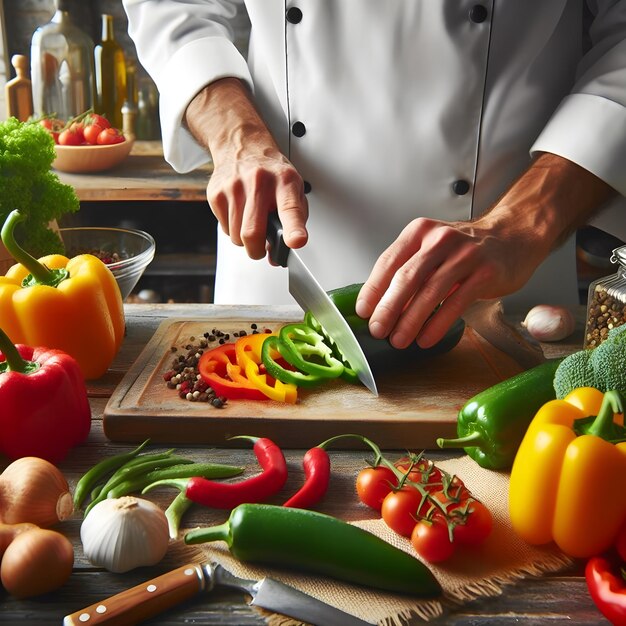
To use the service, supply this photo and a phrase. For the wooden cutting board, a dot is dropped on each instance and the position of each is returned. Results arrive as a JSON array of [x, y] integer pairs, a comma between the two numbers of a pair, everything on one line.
[[414, 406]]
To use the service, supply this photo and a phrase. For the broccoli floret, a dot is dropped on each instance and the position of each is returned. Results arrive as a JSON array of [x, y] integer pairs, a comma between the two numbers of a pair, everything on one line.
[[603, 367], [574, 371], [608, 361], [27, 184]]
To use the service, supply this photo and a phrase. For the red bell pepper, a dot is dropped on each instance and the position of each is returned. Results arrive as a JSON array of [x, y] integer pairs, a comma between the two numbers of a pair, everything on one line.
[[607, 588], [43, 399], [218, 368]]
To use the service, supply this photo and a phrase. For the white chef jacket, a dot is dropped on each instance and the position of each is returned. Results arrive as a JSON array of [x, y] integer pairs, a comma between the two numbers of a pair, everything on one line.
[[398, 109]]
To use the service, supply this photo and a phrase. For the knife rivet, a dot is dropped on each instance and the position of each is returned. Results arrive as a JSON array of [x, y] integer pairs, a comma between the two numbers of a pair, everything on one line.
[[84, 617], [151, 588], [101, 608], [190, 571]]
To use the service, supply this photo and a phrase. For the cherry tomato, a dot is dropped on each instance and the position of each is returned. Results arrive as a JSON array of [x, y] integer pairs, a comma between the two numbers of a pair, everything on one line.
[[401, 508], [373, 484], [91, 132], [477, 523], [431, 539], [422, 471], [110, 136], [70, 137], [100, 120], [53, 126]]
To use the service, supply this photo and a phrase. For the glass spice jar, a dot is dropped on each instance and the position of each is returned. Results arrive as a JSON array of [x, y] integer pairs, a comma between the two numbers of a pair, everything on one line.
[[606, 307]]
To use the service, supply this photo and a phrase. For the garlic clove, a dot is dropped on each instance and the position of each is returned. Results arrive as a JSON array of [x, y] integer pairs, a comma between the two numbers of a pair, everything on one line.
[[546, 322], [121, 534]]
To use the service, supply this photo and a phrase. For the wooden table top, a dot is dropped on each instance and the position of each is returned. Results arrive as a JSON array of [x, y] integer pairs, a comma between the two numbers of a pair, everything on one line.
[[547, 601], [144, 175]]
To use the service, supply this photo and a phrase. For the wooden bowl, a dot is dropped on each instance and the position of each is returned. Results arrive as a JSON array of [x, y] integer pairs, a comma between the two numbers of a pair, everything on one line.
[[86, 158]]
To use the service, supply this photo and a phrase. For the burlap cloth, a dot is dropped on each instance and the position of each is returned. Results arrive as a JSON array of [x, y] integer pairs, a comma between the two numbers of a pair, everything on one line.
[[502, 560]]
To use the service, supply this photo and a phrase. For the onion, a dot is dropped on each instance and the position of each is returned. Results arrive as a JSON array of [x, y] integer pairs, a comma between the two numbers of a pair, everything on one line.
[[545, 322], [34, 490], [36, 561]]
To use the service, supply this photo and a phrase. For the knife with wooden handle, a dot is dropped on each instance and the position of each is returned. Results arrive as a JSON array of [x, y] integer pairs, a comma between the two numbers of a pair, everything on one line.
[[159, 594]]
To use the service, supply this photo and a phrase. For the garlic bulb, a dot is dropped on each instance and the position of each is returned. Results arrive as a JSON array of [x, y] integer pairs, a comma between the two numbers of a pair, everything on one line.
[[545, 322], [121, 534]]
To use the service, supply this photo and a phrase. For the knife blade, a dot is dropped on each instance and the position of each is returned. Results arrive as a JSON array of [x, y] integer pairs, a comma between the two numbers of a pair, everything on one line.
[[310, 295], [163, 592]]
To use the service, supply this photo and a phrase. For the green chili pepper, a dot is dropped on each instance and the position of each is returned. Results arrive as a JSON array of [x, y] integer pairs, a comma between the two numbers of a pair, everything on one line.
[[316, 543], [491, 425], [175, 512], [88, 481], [186, 470], [137, 467]]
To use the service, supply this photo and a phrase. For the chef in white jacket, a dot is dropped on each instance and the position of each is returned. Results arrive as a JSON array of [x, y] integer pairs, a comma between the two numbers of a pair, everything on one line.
[[436, 149]]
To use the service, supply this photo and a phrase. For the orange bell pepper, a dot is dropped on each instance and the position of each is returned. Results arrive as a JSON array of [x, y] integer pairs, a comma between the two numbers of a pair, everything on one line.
[[248, 350], [73, 305], [219, 369], [566, 480]]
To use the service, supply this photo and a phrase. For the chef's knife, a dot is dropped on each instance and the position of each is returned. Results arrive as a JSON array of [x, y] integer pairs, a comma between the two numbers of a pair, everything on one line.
[[159, 594], [310, 295]]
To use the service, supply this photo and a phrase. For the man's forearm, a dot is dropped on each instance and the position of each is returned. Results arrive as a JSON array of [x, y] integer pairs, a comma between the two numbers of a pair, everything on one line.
[[223, 118], [552, 199]]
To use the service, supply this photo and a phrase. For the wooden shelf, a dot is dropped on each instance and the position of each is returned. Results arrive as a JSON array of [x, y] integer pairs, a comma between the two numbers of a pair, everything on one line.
[[144, 175]]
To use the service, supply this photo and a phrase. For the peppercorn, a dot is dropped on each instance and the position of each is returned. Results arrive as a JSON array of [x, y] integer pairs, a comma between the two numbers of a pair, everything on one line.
[[183, 375], [606, 310]]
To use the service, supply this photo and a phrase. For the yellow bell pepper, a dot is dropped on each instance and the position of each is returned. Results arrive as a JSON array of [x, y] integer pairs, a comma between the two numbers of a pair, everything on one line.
[[73, 305], [248, 351], [566, 480]]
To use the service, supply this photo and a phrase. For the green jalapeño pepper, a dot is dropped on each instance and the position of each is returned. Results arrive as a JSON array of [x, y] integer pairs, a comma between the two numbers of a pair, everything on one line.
[[491, 425], [316, 543]]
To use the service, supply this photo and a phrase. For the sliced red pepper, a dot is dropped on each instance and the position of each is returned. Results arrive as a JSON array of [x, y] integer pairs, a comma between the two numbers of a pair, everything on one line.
[[607, 588], [248, 350], [218, 368]]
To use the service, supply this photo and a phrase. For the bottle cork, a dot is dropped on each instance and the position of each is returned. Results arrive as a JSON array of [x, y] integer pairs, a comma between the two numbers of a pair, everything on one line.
[[19, 91]]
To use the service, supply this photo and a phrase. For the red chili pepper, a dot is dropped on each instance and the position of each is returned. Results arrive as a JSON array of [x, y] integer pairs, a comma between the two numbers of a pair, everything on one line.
[[258, 488], [607, 589], [316, 463]]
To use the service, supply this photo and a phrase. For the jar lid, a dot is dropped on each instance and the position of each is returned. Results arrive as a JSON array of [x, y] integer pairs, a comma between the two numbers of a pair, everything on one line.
[[619, 255]]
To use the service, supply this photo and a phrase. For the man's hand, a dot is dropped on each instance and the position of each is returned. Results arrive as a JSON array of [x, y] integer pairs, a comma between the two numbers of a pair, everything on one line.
[[251, 177], [445, 266]]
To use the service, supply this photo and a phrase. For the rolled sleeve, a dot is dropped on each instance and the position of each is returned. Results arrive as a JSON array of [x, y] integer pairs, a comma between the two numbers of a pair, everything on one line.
[[191, 68], [590, 131]]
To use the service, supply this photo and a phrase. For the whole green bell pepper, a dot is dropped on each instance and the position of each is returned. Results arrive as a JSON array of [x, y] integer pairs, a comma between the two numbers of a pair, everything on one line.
[[491, 425]]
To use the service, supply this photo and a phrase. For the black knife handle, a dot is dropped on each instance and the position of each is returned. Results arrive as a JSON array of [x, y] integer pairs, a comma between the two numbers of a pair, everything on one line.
[[279, 252], [143, 601]]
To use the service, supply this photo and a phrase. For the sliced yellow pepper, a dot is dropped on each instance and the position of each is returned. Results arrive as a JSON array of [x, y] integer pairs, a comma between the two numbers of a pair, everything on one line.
[[566, 480], [248, 351], [73, 305]]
